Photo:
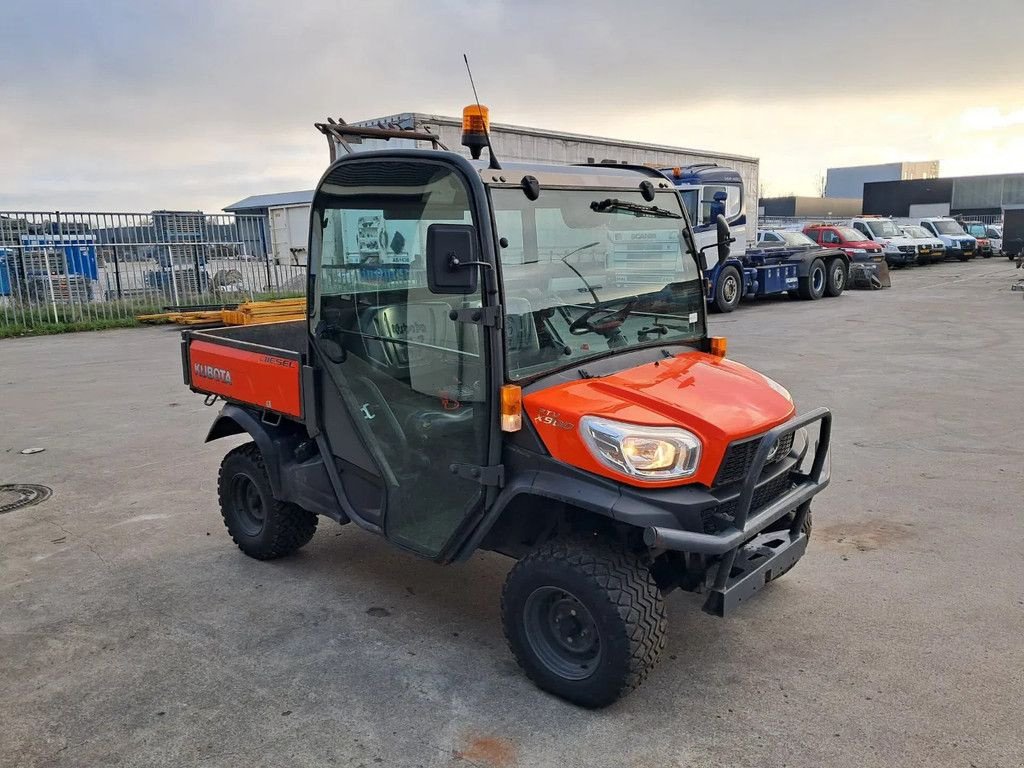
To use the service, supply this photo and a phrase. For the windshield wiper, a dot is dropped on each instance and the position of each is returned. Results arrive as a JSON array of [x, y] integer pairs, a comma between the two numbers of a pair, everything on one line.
[[578, 273], [613, 206]]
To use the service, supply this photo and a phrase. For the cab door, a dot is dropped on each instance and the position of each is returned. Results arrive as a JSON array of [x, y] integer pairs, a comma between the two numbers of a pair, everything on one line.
[[404, 403]]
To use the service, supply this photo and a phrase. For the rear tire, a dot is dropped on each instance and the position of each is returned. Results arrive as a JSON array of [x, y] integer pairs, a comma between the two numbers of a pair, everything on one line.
[[838, 275], [261, 526], [584, 618], [728, 290], [812, 287]]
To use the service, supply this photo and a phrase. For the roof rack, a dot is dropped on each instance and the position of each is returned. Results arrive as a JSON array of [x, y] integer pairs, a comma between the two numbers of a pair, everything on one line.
[[341, 134]]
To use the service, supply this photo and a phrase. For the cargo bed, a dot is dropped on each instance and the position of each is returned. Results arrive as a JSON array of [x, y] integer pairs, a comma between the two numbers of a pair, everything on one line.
[[255, 365]]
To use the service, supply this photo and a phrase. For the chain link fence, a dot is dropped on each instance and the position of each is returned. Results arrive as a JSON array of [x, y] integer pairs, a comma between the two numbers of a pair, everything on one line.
[[62, 268]]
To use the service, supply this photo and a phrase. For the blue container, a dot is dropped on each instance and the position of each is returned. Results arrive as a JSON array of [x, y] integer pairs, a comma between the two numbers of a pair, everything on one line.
[[79, 251], [6, 257]]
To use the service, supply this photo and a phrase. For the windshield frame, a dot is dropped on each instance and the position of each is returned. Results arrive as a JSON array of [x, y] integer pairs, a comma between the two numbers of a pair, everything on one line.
[[597, 193]]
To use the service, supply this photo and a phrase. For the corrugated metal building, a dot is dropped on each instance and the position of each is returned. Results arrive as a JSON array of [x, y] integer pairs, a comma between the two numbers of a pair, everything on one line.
[[849, 182], [955, 196]]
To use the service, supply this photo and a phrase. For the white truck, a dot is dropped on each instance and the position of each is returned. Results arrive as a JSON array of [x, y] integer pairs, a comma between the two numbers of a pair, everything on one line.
[[899, 250], [958, 243]]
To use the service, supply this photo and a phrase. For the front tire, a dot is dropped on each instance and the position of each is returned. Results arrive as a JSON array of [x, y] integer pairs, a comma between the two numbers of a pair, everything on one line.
[[812, 287], [838, 273], [261, 526], [584, 619], [728, 290]]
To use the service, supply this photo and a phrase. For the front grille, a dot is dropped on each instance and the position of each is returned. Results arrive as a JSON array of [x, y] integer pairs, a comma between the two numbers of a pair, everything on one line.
[[740, 455], [716, 518]]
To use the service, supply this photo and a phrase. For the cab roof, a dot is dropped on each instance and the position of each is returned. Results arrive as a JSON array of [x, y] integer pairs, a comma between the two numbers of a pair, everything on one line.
[[589, 175]]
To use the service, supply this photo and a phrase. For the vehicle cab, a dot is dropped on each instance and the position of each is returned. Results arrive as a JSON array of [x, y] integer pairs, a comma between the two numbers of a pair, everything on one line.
[[898, 249], [958, 243], [854, 243], [707, 190]]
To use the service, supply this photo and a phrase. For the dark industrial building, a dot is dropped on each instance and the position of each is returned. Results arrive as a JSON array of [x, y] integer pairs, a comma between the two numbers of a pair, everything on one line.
[[804, 207], [957, 196]]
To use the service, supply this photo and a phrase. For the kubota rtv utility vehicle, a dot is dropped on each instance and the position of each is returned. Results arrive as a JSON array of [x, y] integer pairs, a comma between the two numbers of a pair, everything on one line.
[[518, 361]]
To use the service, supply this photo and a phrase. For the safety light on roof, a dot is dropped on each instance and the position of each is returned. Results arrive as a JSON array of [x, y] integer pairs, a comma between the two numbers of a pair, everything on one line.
[[476, 122], [717, 345], [511, 408]]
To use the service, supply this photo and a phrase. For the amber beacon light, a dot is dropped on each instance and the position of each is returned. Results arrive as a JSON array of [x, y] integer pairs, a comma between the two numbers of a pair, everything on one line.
[[511, 408], [476, 122]]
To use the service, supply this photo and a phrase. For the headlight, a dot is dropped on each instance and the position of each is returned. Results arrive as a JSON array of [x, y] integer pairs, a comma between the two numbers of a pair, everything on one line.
[[650, 453], [858, 250]]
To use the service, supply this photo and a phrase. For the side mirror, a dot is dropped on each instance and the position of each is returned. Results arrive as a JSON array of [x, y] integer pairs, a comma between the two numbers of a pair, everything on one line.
[[725, 237], [451, 258]]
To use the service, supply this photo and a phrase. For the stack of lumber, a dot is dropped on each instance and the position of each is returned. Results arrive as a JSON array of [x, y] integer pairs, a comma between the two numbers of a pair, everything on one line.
[[249, 313], [275, 311]]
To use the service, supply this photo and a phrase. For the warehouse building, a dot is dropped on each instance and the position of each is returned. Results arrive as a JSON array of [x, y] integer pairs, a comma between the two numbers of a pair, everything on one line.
[[955, 196], [287, 214], [809, 207], [849, 182]]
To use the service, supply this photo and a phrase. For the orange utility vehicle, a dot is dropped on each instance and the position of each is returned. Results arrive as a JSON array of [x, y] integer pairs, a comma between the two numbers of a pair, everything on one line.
[[515, 358]]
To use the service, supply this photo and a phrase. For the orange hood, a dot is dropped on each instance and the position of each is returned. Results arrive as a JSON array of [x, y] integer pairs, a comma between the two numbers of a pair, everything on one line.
[[718, 400]]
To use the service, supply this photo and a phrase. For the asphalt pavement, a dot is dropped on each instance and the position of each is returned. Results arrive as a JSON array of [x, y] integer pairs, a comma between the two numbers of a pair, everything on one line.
[[133, 632]]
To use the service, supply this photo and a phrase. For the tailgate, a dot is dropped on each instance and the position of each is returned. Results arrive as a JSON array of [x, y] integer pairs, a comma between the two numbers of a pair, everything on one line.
[[265, 377]]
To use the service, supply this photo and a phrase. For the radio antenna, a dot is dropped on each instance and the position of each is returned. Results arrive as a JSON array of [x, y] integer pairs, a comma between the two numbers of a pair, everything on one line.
[[494, 164]]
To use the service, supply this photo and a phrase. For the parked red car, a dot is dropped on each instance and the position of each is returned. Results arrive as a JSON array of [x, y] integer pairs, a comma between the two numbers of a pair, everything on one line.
[[845, 239]]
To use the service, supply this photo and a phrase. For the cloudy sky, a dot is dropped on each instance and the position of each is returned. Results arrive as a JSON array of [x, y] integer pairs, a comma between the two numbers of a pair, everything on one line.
[[128, 105]]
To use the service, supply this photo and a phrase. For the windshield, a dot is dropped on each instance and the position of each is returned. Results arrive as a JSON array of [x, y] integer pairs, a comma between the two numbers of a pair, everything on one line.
[[584, 277], [916, 232], [994, 232], [850, 234], [883, 228], [978, 230], [948, 227], [796, 238]]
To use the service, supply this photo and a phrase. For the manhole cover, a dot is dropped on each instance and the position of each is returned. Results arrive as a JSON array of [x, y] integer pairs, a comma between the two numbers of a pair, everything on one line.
[[14, 497]]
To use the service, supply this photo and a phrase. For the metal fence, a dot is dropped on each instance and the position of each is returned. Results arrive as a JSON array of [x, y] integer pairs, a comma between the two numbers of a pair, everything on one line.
[[799, 222], [58, 267]]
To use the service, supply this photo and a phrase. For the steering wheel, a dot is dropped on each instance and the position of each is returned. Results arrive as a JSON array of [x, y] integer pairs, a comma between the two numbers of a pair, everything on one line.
[[602, 320]]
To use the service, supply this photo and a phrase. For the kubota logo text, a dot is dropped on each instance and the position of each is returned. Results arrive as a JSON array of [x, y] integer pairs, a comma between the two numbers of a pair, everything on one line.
[[210, 372]]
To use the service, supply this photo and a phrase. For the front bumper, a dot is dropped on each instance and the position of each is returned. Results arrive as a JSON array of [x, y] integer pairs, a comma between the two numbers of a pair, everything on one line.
[[748, 555], [900, 258]]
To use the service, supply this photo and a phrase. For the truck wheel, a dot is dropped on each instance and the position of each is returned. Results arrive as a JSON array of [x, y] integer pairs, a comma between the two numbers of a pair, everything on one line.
[[261, 526], [812, 287], [728, 290], [783, 525], [837, 274], [584, 619]]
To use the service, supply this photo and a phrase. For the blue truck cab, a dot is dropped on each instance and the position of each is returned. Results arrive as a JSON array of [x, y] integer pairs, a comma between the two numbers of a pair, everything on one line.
[[749, 272]]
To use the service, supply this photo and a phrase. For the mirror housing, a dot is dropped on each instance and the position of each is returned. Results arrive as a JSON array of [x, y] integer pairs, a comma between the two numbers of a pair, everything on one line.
[[725, 237], [451, 258]]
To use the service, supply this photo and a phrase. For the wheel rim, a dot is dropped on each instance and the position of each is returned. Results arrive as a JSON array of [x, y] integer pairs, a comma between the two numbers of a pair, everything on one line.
[[818, 280], [730, 288], [248, 504], [562, 633], [838, 276]]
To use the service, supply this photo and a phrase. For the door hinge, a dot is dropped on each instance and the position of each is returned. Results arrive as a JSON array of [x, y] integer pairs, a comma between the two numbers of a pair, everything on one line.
[[490, 316], [484, 475]]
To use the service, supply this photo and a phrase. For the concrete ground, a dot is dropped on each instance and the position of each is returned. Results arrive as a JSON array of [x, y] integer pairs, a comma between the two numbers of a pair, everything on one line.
[[132, 631]]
